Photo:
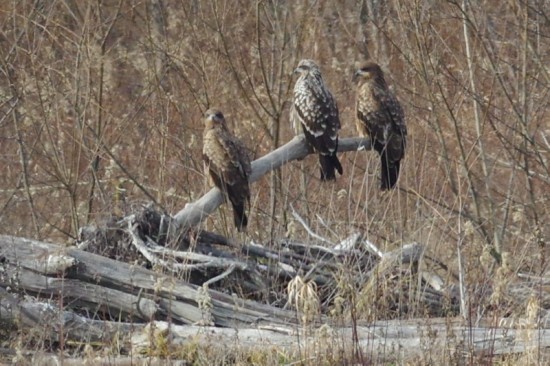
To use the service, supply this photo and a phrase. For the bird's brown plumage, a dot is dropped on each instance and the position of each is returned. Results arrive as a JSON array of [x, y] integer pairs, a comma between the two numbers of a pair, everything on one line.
[[227, 163], [315, 109], [380, 116]]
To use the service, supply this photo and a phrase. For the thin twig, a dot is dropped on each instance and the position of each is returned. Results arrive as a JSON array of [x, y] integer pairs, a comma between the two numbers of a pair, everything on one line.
[[308, 229], [226, 273]]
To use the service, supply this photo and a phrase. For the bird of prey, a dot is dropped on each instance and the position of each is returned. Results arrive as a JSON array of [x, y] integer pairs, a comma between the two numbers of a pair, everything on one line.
[[227, 163], [380, 116], [316, 110]]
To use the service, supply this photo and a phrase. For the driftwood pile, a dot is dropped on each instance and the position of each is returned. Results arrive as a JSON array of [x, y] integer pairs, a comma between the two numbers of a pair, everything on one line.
[[86, 297], [77, 295], [150, 273]]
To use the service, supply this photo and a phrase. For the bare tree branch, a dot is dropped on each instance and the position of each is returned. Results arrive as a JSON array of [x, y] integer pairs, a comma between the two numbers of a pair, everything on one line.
[[193, 213]]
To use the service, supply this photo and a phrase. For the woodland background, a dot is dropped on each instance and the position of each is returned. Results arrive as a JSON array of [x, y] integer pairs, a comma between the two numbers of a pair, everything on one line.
[[101, 108]]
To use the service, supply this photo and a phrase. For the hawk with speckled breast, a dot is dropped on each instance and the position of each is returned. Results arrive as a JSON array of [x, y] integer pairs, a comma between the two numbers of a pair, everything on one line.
[[380, 116], [227, 164], [315, 109]]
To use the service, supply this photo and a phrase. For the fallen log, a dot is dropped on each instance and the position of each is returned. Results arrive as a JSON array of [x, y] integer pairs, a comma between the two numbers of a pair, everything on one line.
[[383, 341], [52, 321], [81, 293], [172, 297]]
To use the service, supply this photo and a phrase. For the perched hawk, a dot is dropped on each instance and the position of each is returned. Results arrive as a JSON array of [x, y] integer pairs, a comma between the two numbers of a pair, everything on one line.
[[315, 108], [380, 116], [227, 163]]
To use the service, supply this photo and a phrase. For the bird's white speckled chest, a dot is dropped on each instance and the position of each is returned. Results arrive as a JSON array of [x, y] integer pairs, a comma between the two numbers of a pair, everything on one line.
[[309, 96]]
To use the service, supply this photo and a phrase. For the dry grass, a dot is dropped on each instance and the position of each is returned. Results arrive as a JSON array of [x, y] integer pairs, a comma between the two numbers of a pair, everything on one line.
[[100, 108]]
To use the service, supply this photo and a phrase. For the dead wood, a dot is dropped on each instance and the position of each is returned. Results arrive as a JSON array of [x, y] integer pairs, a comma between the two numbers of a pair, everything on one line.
[[247, 269], [51, 321], [382, 341], [295, 149], [101, 298], [172, 296], [379, 341], [80, 293]]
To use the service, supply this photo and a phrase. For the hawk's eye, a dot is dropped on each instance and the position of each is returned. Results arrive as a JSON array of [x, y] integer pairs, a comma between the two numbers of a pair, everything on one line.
[[219, 115]]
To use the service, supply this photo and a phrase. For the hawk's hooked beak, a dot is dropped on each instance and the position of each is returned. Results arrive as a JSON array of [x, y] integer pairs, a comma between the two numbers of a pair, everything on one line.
[[212, 119], [213, 116], [356, 75], [209, 116]]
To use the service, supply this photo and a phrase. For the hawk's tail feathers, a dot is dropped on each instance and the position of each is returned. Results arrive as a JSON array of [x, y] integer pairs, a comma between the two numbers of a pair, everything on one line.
[[389, 172], [239, 217], [330, 163]]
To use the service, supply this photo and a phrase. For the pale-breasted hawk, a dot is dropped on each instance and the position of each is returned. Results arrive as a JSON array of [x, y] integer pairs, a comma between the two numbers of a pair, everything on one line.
[[316, 110]]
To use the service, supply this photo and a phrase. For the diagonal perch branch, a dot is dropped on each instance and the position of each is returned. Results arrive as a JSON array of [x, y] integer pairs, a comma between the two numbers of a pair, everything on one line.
[[193, 213]]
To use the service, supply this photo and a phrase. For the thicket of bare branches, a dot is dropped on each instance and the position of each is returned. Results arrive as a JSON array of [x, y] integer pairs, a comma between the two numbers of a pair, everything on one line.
[[101, 104]]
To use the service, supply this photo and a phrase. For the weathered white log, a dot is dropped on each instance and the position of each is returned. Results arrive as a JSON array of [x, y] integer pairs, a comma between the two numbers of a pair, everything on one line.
[[38, 358], [380, 342], [78, 292], [193, 213], [51, 320], [171, 295], [408, 253]]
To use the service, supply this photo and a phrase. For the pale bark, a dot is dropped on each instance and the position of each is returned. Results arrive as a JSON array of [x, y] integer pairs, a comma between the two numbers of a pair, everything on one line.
[[193, 213]]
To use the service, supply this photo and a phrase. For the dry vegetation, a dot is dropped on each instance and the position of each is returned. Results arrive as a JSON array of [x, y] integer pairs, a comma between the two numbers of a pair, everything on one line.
[[101, 104]]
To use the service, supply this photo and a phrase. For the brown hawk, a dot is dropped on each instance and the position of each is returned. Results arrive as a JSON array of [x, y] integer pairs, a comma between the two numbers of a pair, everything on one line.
[[316, 110], [227, 163], [380, 116]]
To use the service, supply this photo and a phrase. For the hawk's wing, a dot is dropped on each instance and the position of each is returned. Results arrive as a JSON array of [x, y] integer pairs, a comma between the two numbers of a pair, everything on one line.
[[240, 158], [395, 130], [381, 117], [226, 157]]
